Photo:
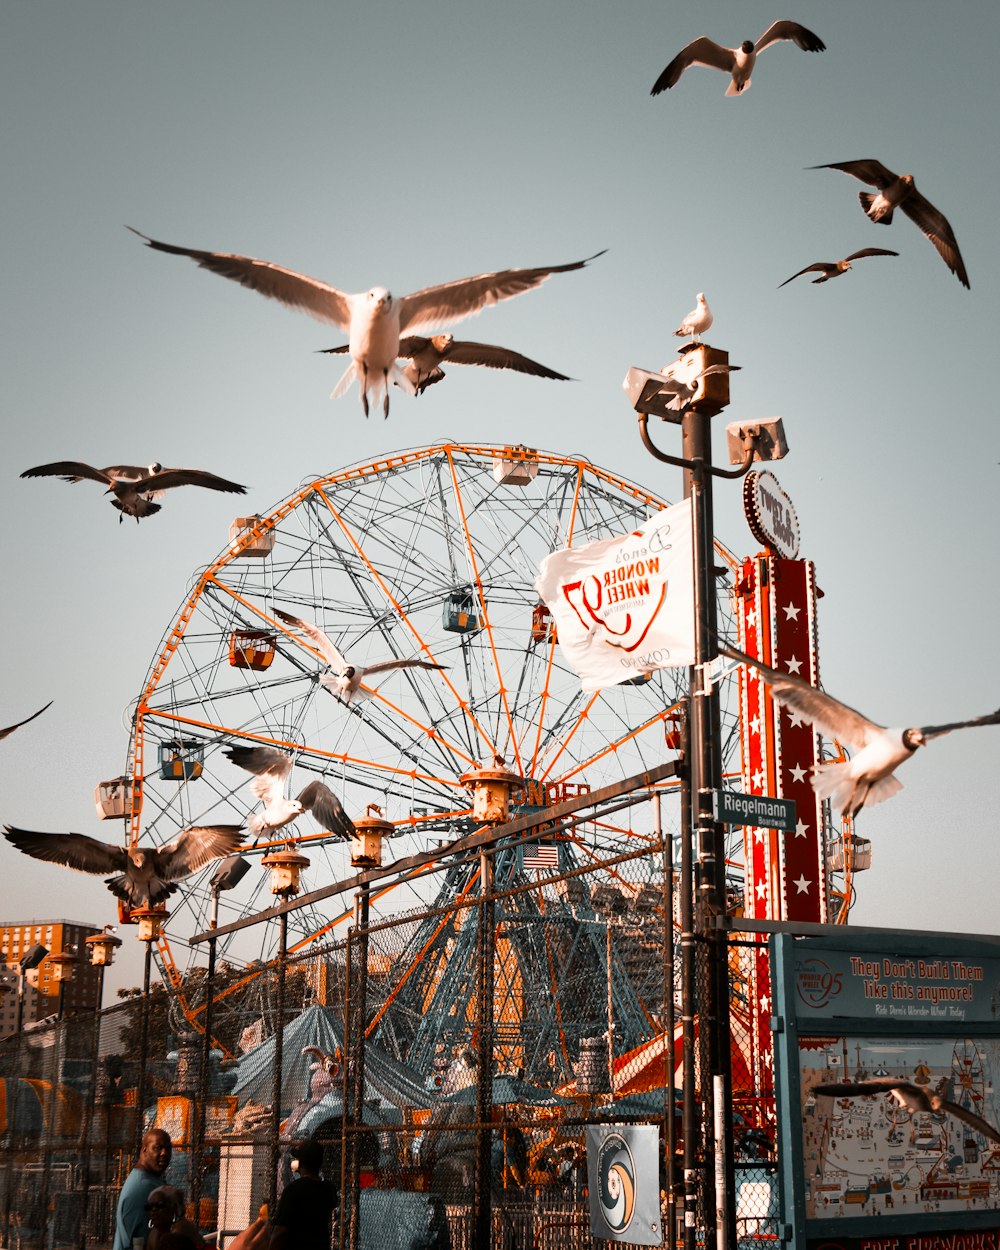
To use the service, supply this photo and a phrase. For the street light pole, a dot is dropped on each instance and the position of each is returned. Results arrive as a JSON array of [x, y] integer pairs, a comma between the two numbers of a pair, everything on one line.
[[655, 394]]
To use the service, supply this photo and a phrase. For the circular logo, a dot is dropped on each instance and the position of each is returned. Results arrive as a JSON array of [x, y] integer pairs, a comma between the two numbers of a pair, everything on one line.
[[616, 1182], [816, 984]]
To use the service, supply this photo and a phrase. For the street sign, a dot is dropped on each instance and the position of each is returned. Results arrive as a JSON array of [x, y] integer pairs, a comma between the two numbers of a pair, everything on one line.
[[731, 807]]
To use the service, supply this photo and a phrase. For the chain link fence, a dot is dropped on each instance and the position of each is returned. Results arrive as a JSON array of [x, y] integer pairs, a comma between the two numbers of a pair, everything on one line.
[[449, 1060]]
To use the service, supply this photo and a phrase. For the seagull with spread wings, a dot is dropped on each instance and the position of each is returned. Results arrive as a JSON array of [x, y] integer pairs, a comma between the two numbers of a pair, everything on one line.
[[684, 390], [869, 776], [10, 728], [900, 191], [135, 488], [374, 319], [346, 679], [828, 269], [144, 874], [911, 1097], [426, 356], [271, 769], [738, 62]]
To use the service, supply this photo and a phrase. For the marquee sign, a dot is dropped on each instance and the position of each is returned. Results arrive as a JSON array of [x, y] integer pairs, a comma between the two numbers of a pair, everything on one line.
[[771, 514]]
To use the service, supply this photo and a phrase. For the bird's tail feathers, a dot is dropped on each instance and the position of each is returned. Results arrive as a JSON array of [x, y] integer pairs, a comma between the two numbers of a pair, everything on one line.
[[834, 781], [346, 378], [139, 507], [867, 200], [399, 377], [332, 683], [737, 88]]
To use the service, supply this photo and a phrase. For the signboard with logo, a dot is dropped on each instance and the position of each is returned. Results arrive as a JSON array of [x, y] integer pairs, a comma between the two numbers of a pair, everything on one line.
[[623, 1175], [887, 1059], [771, 514]]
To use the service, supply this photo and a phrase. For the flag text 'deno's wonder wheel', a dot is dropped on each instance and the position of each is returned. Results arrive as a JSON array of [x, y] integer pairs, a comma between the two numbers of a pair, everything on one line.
[[425, 554]]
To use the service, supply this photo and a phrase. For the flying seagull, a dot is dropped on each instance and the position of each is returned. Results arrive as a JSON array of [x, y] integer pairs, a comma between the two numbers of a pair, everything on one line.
[[345, 680], [833, 269], [698, 320], [912, 1097], [899, 191], [10, 728], [145, 874], [427, 354], [271, 769], [737, 62], [135, 488], [868, 777], [373, 319], [684, 391]]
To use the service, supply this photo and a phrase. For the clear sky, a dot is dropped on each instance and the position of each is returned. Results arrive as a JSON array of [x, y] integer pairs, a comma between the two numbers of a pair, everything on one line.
[[409, 144]]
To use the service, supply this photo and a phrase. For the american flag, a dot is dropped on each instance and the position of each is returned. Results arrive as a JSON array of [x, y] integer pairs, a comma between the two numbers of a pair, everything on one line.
[[540, 855]]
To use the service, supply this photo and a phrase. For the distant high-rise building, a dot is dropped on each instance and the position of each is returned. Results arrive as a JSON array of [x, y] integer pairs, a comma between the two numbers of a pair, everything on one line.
[[41, 990]]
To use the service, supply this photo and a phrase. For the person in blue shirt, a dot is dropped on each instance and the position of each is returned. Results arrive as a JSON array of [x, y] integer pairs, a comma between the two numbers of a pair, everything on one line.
[[131, 1216]]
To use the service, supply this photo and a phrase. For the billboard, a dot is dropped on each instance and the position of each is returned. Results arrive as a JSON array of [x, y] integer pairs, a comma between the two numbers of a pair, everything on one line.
[[887, 1057]]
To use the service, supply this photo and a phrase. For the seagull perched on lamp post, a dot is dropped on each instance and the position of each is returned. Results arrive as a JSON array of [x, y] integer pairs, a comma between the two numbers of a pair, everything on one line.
[[698, 320], [737, 62], [868, 777], [145, 874], [426, 355], [900, 191], [135, 488], [345, 681], [373, 319], [911, 1097], [271, 769], [828, 269]]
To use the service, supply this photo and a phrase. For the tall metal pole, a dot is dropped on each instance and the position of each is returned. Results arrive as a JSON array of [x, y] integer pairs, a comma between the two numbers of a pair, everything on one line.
[[279, 1040], [669, 1022], [689, 1113], [706, 760], [357, 1066], [483, 1216], [140, 1094], [88, 1110], [50, 1128], [198, 1161], [12, 1114]]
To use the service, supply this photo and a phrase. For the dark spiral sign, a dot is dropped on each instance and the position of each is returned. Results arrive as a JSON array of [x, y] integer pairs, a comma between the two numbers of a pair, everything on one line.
[[616, 1182]]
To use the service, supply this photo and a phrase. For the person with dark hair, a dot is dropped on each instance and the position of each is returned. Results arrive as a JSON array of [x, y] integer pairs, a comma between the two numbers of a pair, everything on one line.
[[303, 1220], [131, 1216]]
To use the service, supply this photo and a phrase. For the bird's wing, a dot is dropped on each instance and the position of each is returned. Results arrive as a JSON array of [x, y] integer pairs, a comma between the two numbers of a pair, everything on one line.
[[799, 35], [72, 850], [936, 731], [857, 1089], [828, 714], [413, 345], [820, 267], [261, 760], [188, 477], [870, 251], [326, 808], [194, 848], [974, 1121], [323, 644], [871, 171], [342, 350], [70, 471], [703, 51], [466, 353], [386, 666], [442, 305], [935, 226], [10, 728], [296, 290]]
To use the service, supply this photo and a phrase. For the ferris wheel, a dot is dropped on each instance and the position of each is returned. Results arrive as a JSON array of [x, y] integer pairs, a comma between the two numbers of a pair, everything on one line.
[[428, 554]]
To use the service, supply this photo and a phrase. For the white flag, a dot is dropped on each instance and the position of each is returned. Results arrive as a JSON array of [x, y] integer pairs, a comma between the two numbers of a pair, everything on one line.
[[625, 606]]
